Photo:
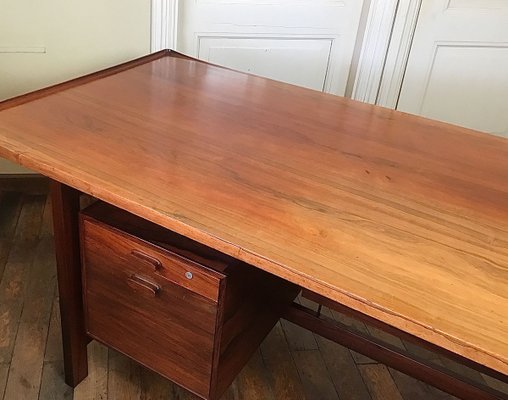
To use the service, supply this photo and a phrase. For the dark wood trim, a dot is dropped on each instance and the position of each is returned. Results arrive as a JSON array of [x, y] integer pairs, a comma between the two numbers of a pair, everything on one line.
[[65, 202], [4, 177], [402, 335], [392, 356], [25, 98], [26, 183]]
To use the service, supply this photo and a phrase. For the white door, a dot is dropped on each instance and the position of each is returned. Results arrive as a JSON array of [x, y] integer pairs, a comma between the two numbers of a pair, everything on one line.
[[304, 42], [46, 42], [458, 65]]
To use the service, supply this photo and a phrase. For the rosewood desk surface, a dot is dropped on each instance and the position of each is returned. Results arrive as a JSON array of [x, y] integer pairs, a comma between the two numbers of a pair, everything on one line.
[[402, 218]]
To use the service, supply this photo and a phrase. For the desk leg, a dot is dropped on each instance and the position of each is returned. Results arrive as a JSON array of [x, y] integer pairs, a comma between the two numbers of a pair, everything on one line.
[[65, 201]]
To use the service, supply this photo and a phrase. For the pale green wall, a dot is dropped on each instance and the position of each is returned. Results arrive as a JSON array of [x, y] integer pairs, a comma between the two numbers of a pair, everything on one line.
[[43, 42]]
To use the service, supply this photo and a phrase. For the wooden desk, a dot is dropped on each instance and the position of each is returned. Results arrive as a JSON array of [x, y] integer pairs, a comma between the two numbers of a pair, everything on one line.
[[400, 218]]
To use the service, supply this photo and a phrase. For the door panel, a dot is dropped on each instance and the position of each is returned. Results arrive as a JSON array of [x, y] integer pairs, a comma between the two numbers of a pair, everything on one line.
[[457, 66], [304, 42], [480, 103], [272, 58], [477, 4]]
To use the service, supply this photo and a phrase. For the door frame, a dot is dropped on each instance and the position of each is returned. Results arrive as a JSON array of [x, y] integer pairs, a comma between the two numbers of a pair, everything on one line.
[[386, 45], [164, 24], [384, 52], [397, 53], [376, 39]]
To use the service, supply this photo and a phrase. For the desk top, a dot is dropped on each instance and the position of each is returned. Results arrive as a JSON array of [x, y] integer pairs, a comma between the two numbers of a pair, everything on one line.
[[397, 216]]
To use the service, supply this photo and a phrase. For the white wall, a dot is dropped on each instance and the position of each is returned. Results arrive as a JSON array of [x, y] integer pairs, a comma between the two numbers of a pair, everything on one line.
[[43, 42]]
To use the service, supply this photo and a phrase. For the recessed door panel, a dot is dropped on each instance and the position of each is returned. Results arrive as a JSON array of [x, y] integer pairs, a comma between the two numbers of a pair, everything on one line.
[[302, 62], [457, 67], [304, 42]]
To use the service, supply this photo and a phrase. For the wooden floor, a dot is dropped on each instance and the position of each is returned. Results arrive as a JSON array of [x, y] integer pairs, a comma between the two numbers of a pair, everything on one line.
[[292, 363]]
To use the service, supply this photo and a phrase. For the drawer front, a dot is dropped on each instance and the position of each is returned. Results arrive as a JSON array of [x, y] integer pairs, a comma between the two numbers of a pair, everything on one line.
[[153, 259], [133, 306]]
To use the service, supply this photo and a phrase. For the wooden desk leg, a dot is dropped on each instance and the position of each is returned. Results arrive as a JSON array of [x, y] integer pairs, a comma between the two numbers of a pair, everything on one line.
[[65, 201]]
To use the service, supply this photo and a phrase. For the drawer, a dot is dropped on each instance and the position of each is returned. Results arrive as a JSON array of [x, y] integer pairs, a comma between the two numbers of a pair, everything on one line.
[[146, 258], [186, 311], [151, 304]]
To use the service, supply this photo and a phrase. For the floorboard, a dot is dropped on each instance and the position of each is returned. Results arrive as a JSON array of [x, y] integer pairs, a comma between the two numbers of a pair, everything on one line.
[[10, 207], [15, 277], [379, 382], [95, 385], [280, 365], [27, 361], [4, 370]]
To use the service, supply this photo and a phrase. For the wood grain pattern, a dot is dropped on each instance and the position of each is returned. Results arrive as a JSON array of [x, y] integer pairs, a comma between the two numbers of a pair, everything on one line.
[[281, 366], [17, 269], [53, 385], [171, 332], [378, 380], [4, 371], [95, 385], [173, 267], [65, 204], [28, 353], [198, 332], [399, 217], [10, 204], [165, 258], [342, 368], [37, 94], [315, 380]]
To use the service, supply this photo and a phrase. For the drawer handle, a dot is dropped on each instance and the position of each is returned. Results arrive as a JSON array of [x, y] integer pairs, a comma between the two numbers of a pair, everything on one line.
[[138, 282], [148, 258]]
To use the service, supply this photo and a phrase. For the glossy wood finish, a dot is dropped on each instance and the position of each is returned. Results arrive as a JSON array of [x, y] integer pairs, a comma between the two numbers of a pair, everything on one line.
[[138, 310], [198, 330], [168, 265], [398, 217], [65, 204], [25, 98]]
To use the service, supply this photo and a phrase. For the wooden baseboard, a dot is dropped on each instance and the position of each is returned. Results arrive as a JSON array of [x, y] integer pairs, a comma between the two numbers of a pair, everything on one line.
[[21, 176], [26, 183]]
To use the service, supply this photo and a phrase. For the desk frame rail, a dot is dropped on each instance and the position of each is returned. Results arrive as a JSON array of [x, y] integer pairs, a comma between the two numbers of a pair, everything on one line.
[[392, 356]]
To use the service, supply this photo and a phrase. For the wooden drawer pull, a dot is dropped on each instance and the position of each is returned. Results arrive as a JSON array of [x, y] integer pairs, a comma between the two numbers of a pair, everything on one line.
[[138, 282], [145, 257]]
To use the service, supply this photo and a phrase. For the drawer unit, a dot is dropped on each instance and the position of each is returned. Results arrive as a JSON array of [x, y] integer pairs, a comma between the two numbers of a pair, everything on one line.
[[181, 309]]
